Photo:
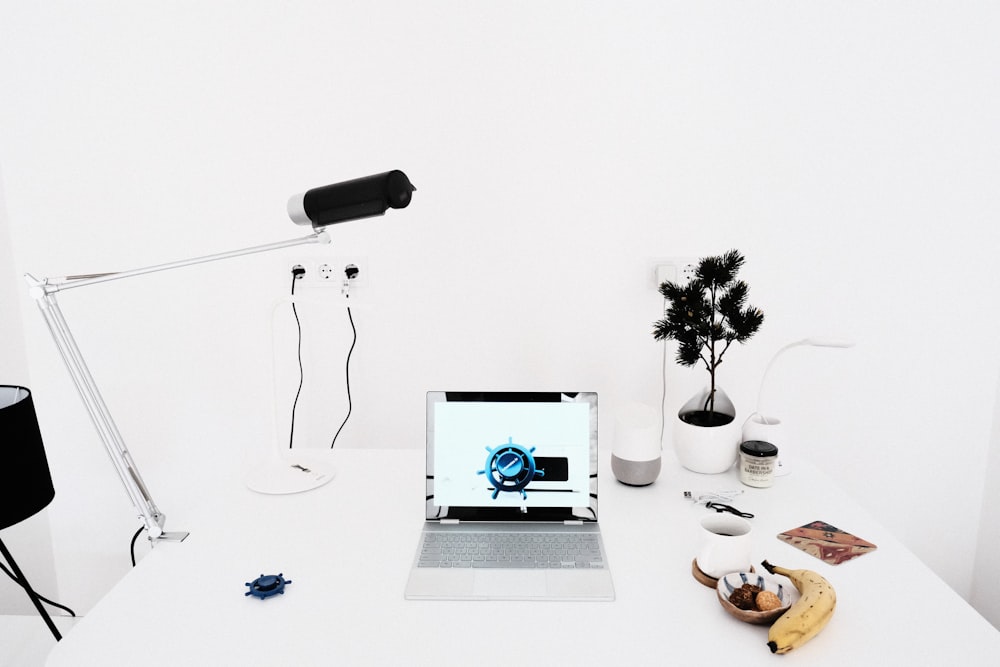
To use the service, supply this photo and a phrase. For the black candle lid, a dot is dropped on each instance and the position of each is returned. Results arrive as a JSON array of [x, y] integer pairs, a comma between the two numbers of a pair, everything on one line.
[[758, 448]]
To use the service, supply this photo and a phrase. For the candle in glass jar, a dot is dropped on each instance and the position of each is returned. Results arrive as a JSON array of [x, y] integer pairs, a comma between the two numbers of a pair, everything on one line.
[[757, 461]]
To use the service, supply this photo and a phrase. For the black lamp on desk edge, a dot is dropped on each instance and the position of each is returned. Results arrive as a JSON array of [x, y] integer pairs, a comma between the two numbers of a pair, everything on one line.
[[24, 455], [319, 207]]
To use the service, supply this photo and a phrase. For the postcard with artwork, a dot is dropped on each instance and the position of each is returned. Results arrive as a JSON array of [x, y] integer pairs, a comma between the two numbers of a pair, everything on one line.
[[829, 544]]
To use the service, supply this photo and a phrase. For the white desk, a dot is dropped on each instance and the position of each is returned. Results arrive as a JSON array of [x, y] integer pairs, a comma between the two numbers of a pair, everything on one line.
[[185, 603]]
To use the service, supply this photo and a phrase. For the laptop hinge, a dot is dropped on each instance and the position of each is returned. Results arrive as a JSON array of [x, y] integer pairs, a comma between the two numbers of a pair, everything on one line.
[[572, 522], [450, 521]]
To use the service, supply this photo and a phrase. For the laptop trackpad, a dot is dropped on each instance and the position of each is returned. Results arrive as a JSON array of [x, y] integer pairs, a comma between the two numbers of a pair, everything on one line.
[[519, 584]]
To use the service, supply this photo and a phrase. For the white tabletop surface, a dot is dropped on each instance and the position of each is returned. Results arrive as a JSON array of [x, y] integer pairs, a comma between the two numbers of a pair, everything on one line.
[[348, 547]]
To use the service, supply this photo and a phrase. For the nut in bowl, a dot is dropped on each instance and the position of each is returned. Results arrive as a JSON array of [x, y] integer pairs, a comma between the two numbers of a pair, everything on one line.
[[753, 598]]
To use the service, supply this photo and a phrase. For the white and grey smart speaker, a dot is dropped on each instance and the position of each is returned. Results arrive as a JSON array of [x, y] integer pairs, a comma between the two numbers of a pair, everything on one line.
[[635, 455]]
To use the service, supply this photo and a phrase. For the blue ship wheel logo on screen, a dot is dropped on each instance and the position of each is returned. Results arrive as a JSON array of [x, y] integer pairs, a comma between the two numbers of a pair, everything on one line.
[[510, 467]]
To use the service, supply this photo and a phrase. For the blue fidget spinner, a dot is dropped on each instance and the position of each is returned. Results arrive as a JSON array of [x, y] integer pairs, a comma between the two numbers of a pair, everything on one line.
[[510, 468], [267, 585]]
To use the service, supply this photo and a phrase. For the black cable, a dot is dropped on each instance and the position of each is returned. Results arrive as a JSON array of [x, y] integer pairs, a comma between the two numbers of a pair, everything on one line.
[[132, 545], [40, 597], [347, 370], [298, 392]]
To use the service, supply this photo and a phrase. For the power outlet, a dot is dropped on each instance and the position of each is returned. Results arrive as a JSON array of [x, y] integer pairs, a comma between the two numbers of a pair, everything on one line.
[[325, 273], [331, 271], [680, 270]]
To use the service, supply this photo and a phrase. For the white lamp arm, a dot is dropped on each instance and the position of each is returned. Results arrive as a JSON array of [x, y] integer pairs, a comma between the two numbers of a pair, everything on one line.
[[51, 285], [44, 293], [815, 341]]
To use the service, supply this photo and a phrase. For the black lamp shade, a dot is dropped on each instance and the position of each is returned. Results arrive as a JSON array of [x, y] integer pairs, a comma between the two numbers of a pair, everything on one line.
[[351, 200], [26, 487]]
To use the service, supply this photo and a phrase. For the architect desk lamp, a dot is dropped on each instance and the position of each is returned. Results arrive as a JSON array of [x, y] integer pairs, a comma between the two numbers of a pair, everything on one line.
[[32, 491], [350, 200]]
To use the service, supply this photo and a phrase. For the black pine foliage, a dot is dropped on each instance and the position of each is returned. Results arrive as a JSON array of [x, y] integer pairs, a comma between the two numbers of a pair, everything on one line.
[[708, 314]]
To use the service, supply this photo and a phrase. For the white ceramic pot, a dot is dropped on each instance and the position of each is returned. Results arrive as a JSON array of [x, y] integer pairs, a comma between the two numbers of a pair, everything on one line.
[[707, 449]]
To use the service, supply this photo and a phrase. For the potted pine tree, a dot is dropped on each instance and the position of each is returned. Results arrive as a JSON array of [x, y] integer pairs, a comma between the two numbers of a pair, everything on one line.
[[706, 316]]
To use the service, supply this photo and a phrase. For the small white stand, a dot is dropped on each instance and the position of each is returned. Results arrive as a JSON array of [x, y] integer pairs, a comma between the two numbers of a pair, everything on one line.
[[292, 472]]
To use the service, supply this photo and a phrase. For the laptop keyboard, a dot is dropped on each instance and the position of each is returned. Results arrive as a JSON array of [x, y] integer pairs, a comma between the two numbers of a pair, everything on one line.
[[511, 550]]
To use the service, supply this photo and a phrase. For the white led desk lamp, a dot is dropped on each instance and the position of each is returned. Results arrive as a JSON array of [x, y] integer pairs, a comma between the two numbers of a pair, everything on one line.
[[815, 341], [319, 207], [759, 422]]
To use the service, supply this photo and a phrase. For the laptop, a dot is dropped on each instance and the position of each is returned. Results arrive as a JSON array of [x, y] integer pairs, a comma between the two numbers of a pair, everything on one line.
[[514, 474]]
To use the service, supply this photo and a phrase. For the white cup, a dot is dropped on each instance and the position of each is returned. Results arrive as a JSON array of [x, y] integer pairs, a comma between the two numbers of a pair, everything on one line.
[[727, 545]]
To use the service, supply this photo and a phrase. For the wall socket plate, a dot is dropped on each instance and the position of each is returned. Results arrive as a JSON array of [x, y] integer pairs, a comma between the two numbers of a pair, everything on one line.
[[677, 269], [328, 270]]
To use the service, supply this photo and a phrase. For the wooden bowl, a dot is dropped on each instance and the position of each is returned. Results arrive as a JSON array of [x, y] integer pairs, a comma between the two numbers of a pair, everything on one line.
[[786, 593]]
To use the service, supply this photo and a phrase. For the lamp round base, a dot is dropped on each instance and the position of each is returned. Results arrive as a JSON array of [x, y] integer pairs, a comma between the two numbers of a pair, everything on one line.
[[291, 473], [781, 468]]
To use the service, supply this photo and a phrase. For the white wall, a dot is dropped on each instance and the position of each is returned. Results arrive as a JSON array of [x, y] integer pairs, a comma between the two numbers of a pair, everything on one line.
[[986, 591], [559, 148], [29, 542]]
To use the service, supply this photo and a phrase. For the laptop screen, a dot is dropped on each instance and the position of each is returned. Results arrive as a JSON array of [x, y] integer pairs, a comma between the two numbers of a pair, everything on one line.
[[512, 456]]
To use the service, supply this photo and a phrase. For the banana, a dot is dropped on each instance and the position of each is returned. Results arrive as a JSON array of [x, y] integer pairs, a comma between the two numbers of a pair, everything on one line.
[[807, 616]]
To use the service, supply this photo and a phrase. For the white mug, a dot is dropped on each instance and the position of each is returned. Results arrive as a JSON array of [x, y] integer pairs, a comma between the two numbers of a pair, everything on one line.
[[727, 544]]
